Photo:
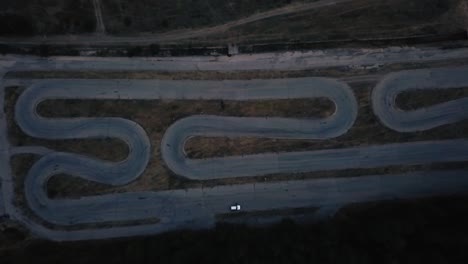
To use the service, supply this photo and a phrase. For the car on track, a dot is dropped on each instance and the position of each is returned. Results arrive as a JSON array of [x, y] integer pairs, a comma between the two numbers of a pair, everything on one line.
[[235, 207]]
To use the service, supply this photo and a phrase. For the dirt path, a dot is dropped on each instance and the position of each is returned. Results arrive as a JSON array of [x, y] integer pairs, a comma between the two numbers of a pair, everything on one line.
[[100, 28]]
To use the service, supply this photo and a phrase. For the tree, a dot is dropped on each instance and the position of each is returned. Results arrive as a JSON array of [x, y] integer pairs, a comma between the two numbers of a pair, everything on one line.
[[155, 49], [44, 50]]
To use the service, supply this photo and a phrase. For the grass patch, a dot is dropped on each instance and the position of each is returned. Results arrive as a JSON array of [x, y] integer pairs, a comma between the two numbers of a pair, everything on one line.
[[360, 19], [414, 99], [127, 16]]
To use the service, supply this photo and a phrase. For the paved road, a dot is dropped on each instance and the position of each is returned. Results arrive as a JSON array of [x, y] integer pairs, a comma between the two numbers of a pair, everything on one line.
[[196, 208], [287, 61]]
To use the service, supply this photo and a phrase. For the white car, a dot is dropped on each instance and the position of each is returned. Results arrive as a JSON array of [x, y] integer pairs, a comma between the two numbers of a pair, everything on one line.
[[235, 207]]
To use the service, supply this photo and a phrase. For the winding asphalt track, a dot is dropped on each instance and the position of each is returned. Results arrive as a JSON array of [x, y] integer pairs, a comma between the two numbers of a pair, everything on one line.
[[127, 170], [385, 93], [172, 146], [197, 207], [92, 210]]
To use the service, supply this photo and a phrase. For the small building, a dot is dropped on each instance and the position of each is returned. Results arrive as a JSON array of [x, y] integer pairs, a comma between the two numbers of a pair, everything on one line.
[[233, 49]]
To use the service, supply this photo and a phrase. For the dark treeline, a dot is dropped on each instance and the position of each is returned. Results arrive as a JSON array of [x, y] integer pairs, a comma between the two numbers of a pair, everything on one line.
[[421, 231]]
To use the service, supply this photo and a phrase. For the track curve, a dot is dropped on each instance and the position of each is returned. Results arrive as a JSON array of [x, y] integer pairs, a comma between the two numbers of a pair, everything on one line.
[[172, 144], [385, 93], [112, 173]]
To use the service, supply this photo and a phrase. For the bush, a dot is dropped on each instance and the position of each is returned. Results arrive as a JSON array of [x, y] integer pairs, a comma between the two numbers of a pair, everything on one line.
[[134, 51], [12, 25]]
